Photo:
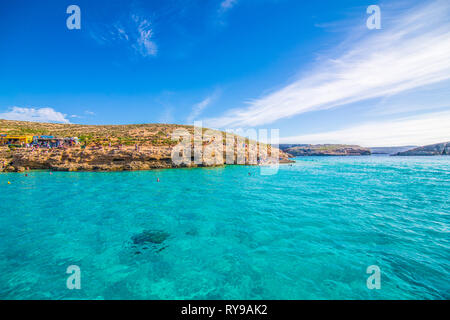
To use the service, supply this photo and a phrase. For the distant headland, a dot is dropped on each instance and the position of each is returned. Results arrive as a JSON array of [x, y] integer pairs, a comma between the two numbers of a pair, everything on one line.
[[436, 149], [324, 150], [298, 150]]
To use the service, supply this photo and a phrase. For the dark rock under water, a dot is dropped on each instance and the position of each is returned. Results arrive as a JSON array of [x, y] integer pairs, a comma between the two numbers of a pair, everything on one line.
[[149, 237]]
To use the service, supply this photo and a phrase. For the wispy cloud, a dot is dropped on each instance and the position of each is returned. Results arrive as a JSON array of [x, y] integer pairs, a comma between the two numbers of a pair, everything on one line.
[[226, 5], [199, 107], [417, 130], [410, 52], [34, 114], [144, 43], [135, 31], [410, 106], [86, 112], [167, 115]]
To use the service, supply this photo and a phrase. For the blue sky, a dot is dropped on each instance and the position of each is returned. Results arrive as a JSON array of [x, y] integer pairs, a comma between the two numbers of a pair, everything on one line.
[[311, 69]]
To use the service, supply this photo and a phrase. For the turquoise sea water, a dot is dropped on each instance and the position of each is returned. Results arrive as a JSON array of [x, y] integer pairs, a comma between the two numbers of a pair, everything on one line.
[[308, 232]]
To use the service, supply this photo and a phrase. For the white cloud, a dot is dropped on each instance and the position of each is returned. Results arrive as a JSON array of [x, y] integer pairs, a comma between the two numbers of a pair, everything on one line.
[[417, 130], [408, 53], [32, 114], [144, 43], [122, 33], [199, 107], [135, 31], [225, 5]]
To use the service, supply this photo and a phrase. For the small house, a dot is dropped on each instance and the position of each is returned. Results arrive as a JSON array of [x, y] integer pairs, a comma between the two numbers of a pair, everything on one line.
[[10, 139]]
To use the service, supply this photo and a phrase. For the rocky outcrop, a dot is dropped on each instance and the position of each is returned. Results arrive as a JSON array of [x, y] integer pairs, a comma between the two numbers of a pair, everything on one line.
[[324, 150], [429, 150], [100, 159], [118, 147], [122, 147]]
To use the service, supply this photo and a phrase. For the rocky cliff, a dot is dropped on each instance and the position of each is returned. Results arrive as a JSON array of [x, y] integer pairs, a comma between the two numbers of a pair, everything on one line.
[[429, 150], [111, 148]]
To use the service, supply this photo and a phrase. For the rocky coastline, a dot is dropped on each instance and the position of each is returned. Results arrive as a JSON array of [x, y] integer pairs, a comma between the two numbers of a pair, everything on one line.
[[120, 148], [98, 159], [436, 149]]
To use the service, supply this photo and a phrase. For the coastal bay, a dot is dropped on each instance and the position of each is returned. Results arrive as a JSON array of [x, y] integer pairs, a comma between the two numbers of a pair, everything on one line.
[[308, 232]]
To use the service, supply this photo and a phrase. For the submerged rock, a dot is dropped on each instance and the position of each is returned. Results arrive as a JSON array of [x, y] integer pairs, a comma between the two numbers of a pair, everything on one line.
[[192, 232], [150, 236]]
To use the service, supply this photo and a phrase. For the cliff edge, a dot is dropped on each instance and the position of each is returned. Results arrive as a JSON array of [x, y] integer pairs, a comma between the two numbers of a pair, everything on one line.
[[114, 148]]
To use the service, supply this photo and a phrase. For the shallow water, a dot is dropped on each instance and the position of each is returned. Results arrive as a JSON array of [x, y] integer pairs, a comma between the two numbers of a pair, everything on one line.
[[308, 232]]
